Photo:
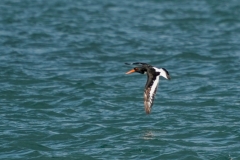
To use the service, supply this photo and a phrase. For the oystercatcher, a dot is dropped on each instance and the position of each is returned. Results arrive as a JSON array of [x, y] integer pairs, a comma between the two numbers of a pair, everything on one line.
[[153, 75]]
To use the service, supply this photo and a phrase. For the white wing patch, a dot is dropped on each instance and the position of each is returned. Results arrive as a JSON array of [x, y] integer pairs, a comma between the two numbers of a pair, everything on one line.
[[154, 87], [163, 72]]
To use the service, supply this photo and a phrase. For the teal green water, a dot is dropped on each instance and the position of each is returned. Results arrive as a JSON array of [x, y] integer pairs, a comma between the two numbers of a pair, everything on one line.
[[64, 93]]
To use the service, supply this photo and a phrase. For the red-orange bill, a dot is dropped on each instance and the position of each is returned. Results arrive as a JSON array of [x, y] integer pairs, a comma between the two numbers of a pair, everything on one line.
[[131, 71]]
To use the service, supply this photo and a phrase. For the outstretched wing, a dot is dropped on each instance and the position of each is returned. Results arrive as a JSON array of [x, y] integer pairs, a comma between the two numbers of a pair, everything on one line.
[[138, 63], [150, 91]]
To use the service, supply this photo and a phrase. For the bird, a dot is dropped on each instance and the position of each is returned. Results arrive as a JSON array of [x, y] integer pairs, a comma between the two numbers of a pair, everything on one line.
[[153, 75]]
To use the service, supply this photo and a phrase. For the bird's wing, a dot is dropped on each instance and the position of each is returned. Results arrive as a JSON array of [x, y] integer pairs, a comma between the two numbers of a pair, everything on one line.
[[150, 91], [138, 63]]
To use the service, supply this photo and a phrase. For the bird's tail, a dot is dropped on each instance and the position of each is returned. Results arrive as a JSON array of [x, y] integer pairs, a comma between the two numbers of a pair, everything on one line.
[[165, 73]]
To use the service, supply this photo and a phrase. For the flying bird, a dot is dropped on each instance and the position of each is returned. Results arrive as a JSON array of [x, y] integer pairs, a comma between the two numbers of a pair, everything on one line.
[[153, 75]]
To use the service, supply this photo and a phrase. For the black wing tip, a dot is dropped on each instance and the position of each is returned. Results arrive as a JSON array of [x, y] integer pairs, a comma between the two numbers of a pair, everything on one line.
[[169, 78]]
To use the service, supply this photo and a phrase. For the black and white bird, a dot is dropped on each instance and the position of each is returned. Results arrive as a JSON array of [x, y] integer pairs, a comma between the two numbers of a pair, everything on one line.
[[151, 86]]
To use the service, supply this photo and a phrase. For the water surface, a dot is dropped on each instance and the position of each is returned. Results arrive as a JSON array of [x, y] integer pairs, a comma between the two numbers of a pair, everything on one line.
[[64, 93]]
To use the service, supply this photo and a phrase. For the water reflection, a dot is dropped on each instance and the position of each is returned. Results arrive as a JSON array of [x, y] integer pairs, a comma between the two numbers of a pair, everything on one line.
[[150, 134]]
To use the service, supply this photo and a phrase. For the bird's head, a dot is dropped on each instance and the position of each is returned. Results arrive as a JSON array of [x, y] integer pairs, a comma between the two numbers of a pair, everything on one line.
[[137, 69]]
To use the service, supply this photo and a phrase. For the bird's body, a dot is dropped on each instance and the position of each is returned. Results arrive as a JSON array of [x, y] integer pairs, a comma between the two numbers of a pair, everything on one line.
[[151, 86]]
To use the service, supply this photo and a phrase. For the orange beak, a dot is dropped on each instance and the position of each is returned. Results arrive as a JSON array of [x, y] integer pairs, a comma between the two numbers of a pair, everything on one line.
[[131, 71]]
